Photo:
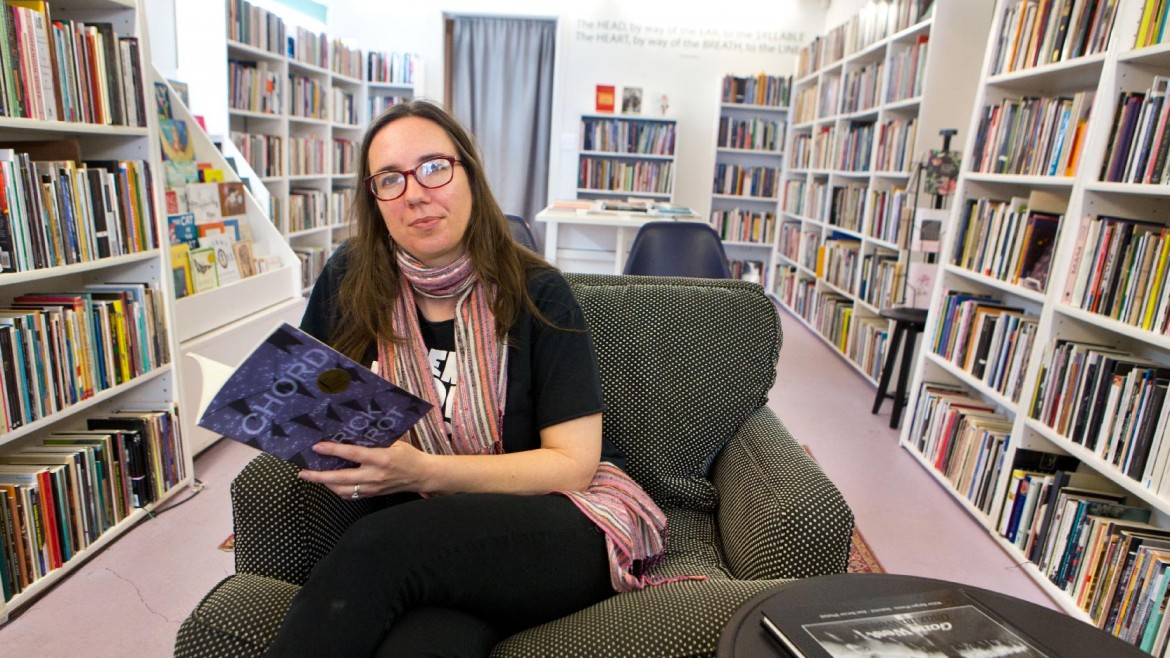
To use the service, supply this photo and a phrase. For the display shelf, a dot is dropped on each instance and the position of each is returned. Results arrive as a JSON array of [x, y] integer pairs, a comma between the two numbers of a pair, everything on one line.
[[921, 73], [1062, 327], [72, 398]]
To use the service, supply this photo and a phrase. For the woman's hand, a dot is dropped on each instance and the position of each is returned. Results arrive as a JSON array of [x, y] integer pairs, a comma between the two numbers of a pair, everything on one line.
[[395, 468]]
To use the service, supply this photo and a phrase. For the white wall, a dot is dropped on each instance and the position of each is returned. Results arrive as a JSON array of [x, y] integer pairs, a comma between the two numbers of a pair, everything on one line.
[[652, 44]]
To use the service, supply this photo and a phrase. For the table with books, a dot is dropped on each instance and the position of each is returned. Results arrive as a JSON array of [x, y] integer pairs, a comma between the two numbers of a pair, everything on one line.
[[599, 232], [886, 614]]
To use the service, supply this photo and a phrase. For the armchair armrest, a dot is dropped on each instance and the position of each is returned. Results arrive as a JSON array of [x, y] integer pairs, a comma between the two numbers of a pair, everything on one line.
[[779, 515], [283, 524]]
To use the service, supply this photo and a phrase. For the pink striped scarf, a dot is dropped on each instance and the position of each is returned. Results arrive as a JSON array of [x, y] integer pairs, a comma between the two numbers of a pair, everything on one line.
[[634, 527]]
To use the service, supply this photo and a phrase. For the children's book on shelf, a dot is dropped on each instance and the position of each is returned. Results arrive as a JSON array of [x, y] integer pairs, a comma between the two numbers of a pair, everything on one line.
[[162, 101], [176, 144], [181, 269], [225, 256], [183, 229], [245, 260], [293, 391], [203, 201], [231, 199], [1037, 250], [902, 625], [204, 275]]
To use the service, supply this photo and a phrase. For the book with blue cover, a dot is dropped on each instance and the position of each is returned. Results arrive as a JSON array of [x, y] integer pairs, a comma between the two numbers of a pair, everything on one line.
[[293, 391]]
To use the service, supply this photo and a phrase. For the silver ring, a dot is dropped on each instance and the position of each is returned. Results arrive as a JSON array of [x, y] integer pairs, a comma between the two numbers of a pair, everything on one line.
[[356, 491]]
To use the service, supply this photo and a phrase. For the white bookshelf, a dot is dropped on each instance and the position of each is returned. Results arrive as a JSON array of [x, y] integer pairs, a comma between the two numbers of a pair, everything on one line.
[[155, 386], [749, 141], [1118, 69], [845, 86], [616, 167]]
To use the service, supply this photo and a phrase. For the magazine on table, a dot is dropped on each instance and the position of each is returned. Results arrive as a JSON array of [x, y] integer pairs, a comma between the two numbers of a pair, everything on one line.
[[293, 391], [936, 623]]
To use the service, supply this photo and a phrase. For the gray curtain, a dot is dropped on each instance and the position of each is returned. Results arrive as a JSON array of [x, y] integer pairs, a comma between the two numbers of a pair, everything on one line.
[[501, 89]]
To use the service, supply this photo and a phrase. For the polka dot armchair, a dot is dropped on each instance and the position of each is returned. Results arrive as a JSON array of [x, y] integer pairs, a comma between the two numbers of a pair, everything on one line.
[[686, 366]]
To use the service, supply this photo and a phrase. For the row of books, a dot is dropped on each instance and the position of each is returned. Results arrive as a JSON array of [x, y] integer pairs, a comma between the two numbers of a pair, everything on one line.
[[61, 210], [60, 493], [1012, 241], [380, 103], [788, 241], [739, 225], [737, 180], [344, 108], [1119, 269], [344, 60], [861, 88], [751, 271], [254, 87], [855, 147], [1110, 401], [756, 134], [312, 260], [256, 27], [66, 70], [881, 279], [1037, 32], [964, 439], [875, 21], [308, 156], [59, 348], [393, 68], [986, 338], [760, 89], [211, 253], [308, 47], [828, 93], [867, 344], [306, 209], [1152, 28], [793, 202], [340, 201], [636, 137], [345, 153], [810, 248], [1139, 141], [804, 108], [908, 71], [887, 220], [264, 153], [613, 175], [831, 317], [1035, 136], [838, 259], [307, 98], [847, 207], [895, 145]]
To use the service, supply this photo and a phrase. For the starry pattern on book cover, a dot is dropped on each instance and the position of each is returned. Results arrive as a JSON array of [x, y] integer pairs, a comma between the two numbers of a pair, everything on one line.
[[293, 391]]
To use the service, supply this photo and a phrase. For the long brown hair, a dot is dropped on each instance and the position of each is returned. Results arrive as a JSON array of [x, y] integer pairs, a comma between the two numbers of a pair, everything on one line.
[[369, 290]]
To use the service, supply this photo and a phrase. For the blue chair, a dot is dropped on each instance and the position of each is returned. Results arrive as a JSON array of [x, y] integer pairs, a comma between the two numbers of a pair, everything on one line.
[[521, 233], [691, 249]]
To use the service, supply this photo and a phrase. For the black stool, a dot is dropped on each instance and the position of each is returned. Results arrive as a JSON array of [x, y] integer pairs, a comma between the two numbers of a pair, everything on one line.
[[908, 322]]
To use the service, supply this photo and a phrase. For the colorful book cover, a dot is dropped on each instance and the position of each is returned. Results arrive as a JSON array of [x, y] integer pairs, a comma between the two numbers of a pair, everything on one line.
[[203, 274], [183, 229], [294, 391], [179, 173], [162, 101], [181, 269], [225, 256], [175, 141], [605, 98], [203, 200], [231, 199]]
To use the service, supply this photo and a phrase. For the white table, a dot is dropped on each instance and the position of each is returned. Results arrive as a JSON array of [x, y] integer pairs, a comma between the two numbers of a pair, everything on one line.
[[624, 226]]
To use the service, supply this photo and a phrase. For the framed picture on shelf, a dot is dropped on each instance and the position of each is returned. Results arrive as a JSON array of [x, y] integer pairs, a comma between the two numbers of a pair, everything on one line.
[[604, 98], [631, 100]]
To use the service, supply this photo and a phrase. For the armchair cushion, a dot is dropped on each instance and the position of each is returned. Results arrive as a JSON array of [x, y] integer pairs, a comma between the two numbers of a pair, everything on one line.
[[683, 363]]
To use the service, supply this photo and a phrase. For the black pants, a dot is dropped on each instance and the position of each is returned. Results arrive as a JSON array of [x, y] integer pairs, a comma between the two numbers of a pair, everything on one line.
[[447, 576]]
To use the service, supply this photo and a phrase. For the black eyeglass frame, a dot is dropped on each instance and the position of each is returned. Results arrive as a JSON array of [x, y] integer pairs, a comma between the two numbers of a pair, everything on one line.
[[452, 160]]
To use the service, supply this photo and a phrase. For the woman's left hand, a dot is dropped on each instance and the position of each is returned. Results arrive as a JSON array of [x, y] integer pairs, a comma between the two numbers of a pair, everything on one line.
[[395, 468]]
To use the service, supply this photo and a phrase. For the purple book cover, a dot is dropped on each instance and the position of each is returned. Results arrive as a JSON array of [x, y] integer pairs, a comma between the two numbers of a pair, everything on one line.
[[293, 391]]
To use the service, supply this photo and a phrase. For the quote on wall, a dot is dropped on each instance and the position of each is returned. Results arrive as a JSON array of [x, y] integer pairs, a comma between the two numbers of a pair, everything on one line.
[[668, 37]]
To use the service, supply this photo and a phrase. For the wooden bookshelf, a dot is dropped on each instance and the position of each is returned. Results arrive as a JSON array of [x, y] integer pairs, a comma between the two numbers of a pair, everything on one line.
[[69, 370], [1095, 311], [869, 98], [749, 142]]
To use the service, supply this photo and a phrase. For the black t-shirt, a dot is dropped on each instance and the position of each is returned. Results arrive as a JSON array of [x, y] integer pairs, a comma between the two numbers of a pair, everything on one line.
[[552, 370]]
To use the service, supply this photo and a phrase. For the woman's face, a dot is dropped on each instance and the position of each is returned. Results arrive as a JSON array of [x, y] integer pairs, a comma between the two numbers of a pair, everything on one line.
[[428, 223]]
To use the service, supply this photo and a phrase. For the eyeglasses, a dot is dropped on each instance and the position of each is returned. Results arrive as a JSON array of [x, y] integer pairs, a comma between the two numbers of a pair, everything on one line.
[[389, 185]]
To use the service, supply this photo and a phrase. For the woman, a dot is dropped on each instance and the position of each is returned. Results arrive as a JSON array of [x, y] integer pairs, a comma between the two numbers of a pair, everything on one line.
[[472, 547]]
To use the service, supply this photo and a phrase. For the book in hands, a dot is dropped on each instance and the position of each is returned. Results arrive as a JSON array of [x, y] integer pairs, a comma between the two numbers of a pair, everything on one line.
[[293, 391], [944, 622]]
